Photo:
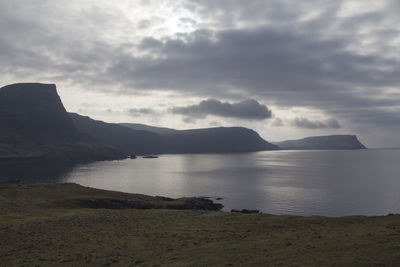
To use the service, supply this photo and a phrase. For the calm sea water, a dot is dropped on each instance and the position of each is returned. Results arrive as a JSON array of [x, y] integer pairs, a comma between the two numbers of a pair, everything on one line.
[[330, 183]]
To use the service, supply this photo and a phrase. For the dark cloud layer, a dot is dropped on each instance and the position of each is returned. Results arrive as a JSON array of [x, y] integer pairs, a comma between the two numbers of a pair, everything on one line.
[[324, 55], [262, 61], [246, 109]]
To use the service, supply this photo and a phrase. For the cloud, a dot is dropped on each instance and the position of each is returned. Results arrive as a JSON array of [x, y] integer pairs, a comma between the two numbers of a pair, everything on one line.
[[150, 43], [246, 109], [292, 68], [262, 60], [337, 57], [308, 124], [277, 122], [140, 111]]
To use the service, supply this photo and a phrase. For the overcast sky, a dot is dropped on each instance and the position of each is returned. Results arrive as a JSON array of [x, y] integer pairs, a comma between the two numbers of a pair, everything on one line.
[[285, 68]]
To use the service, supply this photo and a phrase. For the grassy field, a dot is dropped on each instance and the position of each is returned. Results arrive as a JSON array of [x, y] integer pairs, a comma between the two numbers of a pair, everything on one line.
[[70, 225]]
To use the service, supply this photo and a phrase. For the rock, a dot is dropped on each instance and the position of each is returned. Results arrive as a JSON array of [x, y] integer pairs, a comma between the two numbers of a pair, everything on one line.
[[164, 198], [112, 204], [201, 204], [245, 211]]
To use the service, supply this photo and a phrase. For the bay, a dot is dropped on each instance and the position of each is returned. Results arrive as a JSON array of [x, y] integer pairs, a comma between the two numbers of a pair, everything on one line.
[[314, 182]]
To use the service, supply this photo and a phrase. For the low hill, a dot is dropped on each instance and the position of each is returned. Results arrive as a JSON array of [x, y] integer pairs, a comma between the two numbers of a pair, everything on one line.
[[122, 138], [139, 142], [323, 142], [215, 140]]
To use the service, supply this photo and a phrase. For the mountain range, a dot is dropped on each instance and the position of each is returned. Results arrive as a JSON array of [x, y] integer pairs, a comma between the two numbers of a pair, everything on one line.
[[35, 124], [169, 141]]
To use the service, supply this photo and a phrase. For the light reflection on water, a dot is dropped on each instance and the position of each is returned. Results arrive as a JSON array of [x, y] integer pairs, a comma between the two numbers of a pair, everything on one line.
[[332, 183]]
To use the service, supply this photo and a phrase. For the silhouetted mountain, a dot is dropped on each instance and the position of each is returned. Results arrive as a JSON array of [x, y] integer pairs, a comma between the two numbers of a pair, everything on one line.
[[34, 124], [212, 140], [215, 140], [35, 111], [124, 139], [323, 142], [143, 127]]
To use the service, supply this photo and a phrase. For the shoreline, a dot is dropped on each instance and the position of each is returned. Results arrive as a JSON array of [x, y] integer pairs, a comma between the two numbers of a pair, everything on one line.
[[207, 199], [68, 224]]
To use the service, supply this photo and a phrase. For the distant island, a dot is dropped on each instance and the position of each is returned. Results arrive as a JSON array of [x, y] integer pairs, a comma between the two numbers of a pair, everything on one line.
[[323, 142], [35, 124]]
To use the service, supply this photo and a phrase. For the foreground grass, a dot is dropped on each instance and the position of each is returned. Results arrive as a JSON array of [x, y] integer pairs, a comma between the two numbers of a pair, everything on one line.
[[50, 225]]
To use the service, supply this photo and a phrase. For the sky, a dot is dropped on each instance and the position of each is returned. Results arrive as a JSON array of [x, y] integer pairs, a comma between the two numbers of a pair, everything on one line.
[[285, 68]]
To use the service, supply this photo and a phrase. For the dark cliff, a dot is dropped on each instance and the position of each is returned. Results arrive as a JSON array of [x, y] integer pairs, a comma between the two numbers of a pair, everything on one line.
[[35, 124], [323, 142], [35, 111]]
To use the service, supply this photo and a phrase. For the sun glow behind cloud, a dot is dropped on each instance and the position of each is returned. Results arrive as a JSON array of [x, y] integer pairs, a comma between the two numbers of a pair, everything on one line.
[[156, 18]]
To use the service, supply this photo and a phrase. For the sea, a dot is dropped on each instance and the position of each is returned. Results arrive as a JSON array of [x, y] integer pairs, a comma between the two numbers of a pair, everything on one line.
[[314, 182]]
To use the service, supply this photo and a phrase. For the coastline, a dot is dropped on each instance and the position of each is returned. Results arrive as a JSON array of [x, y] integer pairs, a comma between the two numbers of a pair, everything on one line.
[[60, 224]]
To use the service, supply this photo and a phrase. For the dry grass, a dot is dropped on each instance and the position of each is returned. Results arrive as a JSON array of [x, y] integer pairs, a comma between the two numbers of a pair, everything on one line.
[[41, 225]]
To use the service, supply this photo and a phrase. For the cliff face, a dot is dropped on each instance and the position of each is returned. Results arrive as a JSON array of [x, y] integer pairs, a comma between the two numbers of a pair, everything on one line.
[[35, 124], [323, 142], [35, 111]]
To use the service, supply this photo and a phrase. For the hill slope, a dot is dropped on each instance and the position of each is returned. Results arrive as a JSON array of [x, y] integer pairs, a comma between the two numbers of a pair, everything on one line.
[[210, 140], [144, 127], [124, 139], [216, 140]]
